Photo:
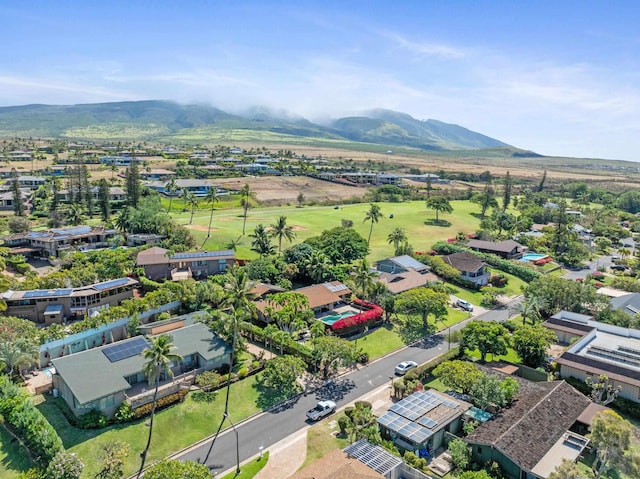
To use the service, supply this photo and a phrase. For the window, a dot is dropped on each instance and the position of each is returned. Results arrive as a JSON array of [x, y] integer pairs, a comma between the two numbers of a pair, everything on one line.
[[222, 265]]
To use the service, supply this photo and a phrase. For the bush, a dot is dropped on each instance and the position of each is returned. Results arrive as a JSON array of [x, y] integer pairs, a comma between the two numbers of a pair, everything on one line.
[[94, 419], [124, 413], [166, 401], [363, 404], [208, 380], [343, 424], [29, 423], [242, 372]]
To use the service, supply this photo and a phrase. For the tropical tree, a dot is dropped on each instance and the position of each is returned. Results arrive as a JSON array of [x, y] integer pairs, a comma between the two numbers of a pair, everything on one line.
[[290, 310], [373, 214], [123, 220], [422, 301], [460, 454], [397, 237], [506, 193], [65, 465], [569, 470], [531, 343], [485, 336], [530, 308], [281, 374], [458, 375], [245, 197], [439, 204], [211, 199], [281, 230], [486, 199], [112, 456], [18, 353], [364, 278], [192, 201], [317, 266], [261, 243], [363, 424], [159, 357], [331, 352], [74, 214], [171, 188], [614, 443]]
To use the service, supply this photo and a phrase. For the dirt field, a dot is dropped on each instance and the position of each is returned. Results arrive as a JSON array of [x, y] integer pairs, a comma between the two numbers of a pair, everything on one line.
[[285, 189]]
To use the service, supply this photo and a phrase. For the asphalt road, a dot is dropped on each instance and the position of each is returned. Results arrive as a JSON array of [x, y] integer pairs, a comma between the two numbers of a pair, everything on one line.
[[272, 426]]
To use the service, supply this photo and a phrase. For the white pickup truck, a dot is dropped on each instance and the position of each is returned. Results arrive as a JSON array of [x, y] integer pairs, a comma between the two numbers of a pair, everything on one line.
[[322, 409]]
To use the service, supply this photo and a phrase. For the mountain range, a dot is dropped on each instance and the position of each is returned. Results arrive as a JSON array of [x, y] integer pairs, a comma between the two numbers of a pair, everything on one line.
[[157, 119]]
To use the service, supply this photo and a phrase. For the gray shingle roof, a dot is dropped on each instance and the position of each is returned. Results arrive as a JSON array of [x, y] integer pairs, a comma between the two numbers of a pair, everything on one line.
[[464, 261]]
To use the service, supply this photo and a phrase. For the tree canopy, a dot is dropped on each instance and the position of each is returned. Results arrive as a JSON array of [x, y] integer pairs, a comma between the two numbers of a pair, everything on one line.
[[531, 343], [341, 245], [489, 337]]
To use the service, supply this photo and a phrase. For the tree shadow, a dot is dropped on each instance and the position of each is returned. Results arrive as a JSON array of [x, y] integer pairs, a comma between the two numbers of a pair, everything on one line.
[[433, 222], [335, 390], [412, 330], [477, 215]]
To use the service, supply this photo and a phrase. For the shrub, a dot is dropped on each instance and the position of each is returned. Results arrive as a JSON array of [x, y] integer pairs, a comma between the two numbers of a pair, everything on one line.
[[208, 380], [371, 315], [348, 411], [363, 404], [124, 413], [94, 419], [18, 411], [242, 372], [498, 280], [343, 424], [166, 401]]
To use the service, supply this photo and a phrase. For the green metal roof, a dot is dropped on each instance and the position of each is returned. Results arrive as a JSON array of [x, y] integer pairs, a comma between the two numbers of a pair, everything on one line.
[[90, 375]]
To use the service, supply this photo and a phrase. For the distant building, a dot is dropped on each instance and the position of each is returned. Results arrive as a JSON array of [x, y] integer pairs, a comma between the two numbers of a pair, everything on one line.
[[53, 241], [157, 263], [471, 267], [48, 306], [507, 249]]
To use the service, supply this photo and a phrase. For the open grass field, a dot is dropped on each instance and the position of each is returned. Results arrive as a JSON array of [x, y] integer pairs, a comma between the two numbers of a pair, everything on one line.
[[308, 221]]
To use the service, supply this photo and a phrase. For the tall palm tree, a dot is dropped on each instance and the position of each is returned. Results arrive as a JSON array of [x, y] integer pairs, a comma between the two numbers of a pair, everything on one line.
[[317, 265], [159, 358], [530, 308], [74, 214], [192, 201], [211, 199], [280, 229], [373, 214], [261, 242], [364, 278], [122, 220], [245, 196], [171, 189], [397, 236]]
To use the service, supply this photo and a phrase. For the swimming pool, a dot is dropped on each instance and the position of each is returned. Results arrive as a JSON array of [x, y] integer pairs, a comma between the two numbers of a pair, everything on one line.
[[50, 371], [531, 257], [336, 317]]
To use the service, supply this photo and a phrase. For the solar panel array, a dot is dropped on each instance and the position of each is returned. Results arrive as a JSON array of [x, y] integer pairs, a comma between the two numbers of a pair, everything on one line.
[[111, 284], [377, 458], [46, 293], [202, 254], [334, 288], [617, 356], [126, 349], [38, 234], [73, 231], [406, 428]]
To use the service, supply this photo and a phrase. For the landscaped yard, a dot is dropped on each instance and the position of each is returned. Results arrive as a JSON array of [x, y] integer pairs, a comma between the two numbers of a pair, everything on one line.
[[510, 357], [174, 428], [13, 459], [320, 440]]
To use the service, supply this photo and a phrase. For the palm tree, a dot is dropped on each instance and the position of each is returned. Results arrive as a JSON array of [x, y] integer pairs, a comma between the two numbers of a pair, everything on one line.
[[211, 199], [245, 196], [281, 230], [317, 265], [171, 189], [261, 242], [192, 201], [364, 278], [373, 214], [530, 308], [122, 220], [74, 214], [159, 358], [397, 236], [14, 354]]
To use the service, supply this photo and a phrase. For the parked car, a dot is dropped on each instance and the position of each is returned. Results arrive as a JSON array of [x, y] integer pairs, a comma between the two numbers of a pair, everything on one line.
[[405, 366], [618, 267], [322, 409], [466, 305]]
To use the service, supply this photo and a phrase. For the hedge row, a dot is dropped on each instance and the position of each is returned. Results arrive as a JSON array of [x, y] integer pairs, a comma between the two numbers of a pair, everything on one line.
[[29, 423], [289, 346], [161, 403], [522, 271], [372, 315]]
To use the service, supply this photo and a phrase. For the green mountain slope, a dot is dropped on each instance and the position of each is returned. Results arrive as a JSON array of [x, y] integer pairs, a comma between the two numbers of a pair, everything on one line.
[[148, 120]]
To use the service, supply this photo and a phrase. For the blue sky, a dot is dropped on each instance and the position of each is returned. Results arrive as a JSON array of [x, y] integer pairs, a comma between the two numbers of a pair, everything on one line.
[[559, 78]]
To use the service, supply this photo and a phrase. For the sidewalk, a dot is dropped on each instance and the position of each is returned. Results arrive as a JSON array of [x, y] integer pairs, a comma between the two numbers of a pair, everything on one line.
[[288, 455]]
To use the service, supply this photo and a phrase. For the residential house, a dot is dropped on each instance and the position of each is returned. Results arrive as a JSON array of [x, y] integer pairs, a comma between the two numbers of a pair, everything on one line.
[[157, 174], [420, 422], [116, 194], [52, 242], [530, 438], [158, 265], [337, 465], [507, 249], [322, 297], [29, 181], [140, 239], [602, 349], [471, 267], [402, 273], [6, 200], [48, 306], [628, 304], [120, 160], [199, 188], [102, 378]]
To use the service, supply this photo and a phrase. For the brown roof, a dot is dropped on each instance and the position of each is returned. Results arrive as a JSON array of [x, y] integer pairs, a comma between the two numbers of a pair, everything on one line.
[[336, 465], [321, 294], [153, 255], [539, 416], [593, 365], [398, 283], [260, 289], [573, 327], [505, 246], [588, 414], [464, 261]]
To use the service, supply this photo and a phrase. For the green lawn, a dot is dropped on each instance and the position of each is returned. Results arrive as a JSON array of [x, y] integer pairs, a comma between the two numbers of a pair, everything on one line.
[[250, 469], [510, 357], [13, 459], [174, 428], [320, 440], [380, 341], [435, 383], [312, 220]]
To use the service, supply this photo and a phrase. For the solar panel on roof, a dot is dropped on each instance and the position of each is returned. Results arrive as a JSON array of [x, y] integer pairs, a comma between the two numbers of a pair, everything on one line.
[[334, 288], [124, 350], [111, 284], [427, 422], [74, 230], [202, 254], [46, 293], [375, 457]]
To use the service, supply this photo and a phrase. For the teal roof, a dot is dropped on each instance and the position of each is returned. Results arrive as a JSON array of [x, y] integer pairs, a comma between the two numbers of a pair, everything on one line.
[[90, 375]]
